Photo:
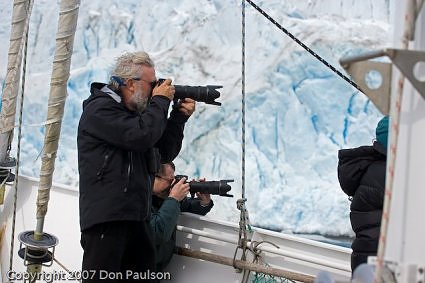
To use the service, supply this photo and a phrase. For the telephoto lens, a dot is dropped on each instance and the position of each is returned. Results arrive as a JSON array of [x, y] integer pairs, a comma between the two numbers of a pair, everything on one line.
[[207, 94]]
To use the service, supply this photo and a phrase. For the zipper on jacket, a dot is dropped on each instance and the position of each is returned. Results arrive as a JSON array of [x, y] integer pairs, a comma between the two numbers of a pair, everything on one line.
[[99, 173], [148, 197], [130, 163]]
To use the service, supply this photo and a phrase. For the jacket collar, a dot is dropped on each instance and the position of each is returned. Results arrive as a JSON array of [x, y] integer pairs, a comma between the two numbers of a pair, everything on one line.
[[111, 93]]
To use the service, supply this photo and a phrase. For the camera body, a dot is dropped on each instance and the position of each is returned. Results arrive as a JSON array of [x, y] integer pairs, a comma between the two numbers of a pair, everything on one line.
[[206, 94], [220, 188]]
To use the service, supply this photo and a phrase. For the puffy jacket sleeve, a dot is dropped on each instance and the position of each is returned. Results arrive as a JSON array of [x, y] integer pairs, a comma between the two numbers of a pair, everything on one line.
[[370, 194], [164, 221], [352, 165]]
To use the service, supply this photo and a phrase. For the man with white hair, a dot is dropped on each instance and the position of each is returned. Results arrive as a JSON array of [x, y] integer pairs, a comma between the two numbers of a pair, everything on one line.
[[123, 135]]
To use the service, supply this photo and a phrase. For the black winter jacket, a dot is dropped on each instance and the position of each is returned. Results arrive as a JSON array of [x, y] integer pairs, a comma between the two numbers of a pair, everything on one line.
[[361, 174], [119, 152]]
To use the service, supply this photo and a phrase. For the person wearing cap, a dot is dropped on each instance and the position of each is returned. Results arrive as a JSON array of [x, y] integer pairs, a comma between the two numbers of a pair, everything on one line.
[[361, 174], [124, 133]]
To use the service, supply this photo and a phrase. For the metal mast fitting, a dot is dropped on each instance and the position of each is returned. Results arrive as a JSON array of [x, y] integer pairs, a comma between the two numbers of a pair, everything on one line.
[[410, 63], [36, 252]]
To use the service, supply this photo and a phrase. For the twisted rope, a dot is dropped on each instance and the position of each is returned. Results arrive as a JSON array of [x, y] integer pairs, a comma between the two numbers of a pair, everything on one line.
[[308, 49], [15, 187], [243, 99], [243, 221], [64, 267]]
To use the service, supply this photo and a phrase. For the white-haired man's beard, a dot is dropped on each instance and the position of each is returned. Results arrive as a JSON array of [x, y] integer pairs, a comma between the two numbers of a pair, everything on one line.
[[140, 101]]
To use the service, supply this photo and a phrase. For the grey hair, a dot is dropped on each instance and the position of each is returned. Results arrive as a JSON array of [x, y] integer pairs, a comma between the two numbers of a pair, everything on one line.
[[128, 64]]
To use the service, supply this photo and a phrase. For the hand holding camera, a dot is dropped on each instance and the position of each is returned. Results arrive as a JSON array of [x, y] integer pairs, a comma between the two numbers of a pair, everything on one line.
[[187, 106], [207, 94], [220, 188], [179, 190], [165, 88], [205, 198]]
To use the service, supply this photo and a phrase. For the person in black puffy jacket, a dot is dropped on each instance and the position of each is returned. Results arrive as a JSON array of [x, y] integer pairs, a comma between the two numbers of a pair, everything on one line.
[[123, 135], [361, 174]]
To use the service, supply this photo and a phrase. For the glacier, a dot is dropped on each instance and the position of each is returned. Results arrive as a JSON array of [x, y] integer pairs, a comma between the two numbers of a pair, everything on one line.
[[298, 113]]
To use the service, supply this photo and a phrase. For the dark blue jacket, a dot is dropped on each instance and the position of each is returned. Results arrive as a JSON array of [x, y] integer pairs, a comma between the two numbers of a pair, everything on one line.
[[119, 151]]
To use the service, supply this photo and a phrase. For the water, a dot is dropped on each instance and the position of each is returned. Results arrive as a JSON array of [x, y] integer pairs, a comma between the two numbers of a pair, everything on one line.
[[343, 241]]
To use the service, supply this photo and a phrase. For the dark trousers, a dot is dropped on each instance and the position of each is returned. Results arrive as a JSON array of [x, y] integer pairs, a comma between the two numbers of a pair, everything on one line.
[[121, 251], [359, 258]]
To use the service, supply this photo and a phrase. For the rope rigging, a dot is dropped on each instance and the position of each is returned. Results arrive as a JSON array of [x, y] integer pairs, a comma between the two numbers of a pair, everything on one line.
[[245, 229], [244, 225], [308, 49], [244, 220], [15, 187], [37, 243]]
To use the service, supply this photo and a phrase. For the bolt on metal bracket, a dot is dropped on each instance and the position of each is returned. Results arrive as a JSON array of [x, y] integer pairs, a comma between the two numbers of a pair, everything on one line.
[[405, 60]]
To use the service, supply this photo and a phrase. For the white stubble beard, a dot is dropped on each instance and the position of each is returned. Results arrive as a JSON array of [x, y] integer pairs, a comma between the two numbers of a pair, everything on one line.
[[140, 101]]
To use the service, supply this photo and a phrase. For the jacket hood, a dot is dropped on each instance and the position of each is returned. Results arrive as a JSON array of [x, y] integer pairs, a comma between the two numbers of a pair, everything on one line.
[[353, 164], [96, 92]]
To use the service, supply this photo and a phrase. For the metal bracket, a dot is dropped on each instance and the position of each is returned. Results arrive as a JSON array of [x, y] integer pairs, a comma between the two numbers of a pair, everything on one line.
[[405, 60], [379, 96], [411, 273], [399, 272]]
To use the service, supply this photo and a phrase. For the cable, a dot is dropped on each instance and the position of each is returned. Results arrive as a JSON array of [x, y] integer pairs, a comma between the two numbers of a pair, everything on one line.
[[308, 49]]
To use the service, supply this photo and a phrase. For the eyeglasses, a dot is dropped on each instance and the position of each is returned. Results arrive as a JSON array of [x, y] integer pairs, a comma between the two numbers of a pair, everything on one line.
[[152, 84], [164, 178]]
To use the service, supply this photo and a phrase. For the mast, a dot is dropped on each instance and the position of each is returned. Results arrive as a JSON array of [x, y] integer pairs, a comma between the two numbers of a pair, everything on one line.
[[67, 25], [17, 48], [37, 243], [18, 36]]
